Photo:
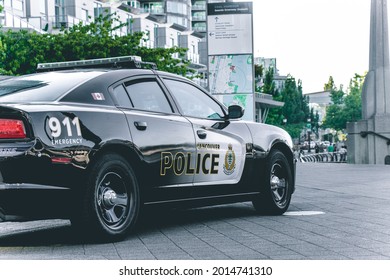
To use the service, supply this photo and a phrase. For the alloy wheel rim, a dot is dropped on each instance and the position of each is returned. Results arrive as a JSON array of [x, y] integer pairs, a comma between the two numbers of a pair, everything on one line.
[[279, 184], [113, 200]]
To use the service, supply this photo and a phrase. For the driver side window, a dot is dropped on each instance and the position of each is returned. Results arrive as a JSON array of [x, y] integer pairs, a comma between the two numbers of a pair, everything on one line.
[[194, 102]]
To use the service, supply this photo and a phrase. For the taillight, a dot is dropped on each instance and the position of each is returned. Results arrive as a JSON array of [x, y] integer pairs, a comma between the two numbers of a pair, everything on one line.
[[12, 129]]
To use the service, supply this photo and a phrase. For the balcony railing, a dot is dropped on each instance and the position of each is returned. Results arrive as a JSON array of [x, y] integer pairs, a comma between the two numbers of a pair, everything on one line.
[[199, 28], [10, 20], [199, 18], [198, 7], [153, 11], [66, 21]]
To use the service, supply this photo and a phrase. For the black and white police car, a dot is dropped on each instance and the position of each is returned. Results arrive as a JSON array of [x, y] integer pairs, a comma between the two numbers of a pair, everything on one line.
[[92, 141]]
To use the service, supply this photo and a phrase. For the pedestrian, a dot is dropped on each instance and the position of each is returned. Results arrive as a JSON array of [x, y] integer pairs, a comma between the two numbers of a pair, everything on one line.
[[343, 153], [330, 151], [317, 148]]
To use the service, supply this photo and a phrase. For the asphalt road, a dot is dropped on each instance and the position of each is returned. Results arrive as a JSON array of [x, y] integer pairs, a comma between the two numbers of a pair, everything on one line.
[[338, 212]]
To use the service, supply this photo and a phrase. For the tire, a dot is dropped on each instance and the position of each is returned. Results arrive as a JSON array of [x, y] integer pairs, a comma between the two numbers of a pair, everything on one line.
[[111, 201], [277, 185]]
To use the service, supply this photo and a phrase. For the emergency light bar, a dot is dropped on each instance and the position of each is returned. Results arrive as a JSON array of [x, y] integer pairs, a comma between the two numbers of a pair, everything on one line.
[[127, 62]]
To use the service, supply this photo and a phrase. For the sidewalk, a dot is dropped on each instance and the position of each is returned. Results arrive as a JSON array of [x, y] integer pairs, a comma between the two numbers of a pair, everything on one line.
[[338, 211]]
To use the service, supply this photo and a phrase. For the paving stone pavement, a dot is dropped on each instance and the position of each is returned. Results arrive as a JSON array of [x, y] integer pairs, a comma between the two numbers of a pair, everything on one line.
[[338, 212]]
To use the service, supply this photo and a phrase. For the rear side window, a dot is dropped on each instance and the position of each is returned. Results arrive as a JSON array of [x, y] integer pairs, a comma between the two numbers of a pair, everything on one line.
[[43, 87], [146, 94], [121, 97]]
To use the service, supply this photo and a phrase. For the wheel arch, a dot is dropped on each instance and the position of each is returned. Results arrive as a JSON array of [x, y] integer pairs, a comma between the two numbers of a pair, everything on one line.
[[286, 150], [127, 152]]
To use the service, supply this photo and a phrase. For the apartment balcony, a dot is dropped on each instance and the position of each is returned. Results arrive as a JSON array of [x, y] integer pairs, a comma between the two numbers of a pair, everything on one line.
[[193, 57], [153, 11], [198, 8], [65, 21], [199, 28], [11, 21], [198, 18]]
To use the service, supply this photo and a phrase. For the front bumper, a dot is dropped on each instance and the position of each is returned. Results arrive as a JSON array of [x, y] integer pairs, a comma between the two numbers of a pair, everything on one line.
[[22, 201]]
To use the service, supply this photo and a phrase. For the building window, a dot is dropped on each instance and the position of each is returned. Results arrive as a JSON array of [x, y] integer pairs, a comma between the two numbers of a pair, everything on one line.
[[59, 10], [84, 15], [15, 5], [97, 10], [153, 7], [129, 24], [135, 4], [42, 6], [177, 8]]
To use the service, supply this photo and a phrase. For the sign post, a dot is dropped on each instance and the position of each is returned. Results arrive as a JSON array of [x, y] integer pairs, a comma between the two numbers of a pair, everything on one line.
[[230, 54]]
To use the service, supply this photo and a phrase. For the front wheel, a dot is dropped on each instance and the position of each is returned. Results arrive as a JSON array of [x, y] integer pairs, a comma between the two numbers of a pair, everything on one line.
[[277, 186], [111, 201]]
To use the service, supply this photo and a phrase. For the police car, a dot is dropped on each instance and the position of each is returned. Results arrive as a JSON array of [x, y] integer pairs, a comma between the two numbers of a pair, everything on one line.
[[93, 141]]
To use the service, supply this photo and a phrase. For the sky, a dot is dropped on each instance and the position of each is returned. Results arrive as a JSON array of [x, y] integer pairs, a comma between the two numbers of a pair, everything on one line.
[[314, 39]]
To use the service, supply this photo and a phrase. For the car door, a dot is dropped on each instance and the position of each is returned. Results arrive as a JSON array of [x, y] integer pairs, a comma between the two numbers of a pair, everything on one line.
[[220, 144], [164, 139]]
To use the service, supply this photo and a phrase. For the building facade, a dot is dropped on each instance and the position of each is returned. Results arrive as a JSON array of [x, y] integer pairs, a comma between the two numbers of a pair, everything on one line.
[[268, 63], [165, 23]]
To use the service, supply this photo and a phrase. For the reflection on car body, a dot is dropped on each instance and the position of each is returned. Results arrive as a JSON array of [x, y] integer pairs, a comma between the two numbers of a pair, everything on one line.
[[93, 144]]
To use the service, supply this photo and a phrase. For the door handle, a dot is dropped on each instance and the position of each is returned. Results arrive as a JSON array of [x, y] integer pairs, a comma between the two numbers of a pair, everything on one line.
[[201, 134], [141, 125]]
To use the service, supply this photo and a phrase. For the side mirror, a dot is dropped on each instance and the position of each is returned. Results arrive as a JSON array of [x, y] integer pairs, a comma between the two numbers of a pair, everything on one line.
[[235, 111]]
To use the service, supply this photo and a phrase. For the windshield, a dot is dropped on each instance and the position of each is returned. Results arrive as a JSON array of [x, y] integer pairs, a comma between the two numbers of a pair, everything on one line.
[[43, 87]]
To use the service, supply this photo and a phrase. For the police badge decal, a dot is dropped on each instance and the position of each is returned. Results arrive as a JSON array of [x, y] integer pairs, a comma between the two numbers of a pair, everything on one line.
[[230, 161]]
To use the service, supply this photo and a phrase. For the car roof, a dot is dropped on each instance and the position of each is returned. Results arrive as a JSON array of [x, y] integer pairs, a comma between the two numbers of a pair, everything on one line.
[[51, 86]]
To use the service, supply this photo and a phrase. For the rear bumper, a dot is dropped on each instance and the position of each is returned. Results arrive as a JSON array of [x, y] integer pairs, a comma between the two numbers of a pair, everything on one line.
[[32, 201]]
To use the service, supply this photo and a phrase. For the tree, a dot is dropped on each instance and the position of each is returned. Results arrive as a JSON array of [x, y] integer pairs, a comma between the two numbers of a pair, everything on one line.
[[21, 51], [345, 107], [259, 71], [269, 84], [330, 84], [353, 101], [295, 109], [314, 120]]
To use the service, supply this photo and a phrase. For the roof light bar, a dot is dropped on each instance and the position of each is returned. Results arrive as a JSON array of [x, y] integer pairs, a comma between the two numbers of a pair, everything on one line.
[[129, 62]]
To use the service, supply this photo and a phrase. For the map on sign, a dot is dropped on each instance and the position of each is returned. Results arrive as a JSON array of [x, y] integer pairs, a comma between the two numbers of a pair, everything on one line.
[[230, 74]]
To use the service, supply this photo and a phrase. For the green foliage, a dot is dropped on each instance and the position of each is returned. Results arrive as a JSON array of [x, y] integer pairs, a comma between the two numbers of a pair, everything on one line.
[[259, 71], [269, 84], [314, 119], [337, 96], [334, 117], [353, 101], [346, 107], [295, 109], [294, 129], [330, 84], [20, 52]]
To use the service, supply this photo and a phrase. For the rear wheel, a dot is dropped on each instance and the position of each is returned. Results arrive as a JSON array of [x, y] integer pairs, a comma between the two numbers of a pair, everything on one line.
[[275, 195], [111, 200]]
